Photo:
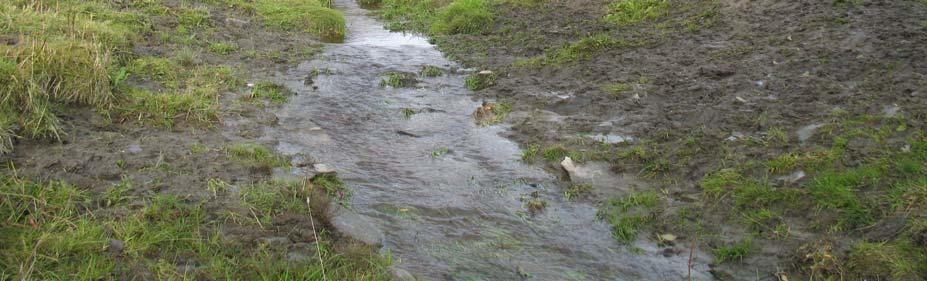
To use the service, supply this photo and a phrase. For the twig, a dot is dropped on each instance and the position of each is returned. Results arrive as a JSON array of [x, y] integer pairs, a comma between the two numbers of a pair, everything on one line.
[[692, 255], [315, 234]]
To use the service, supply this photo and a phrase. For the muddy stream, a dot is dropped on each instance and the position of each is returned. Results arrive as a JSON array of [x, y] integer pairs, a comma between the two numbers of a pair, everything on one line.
[[455, 216]]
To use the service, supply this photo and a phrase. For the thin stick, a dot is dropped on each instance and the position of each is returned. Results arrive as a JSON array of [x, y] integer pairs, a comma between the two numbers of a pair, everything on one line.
[[314, 232], [692, 254]]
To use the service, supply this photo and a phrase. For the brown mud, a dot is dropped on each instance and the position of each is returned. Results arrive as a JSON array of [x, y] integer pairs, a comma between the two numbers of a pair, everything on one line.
[[708, 71]]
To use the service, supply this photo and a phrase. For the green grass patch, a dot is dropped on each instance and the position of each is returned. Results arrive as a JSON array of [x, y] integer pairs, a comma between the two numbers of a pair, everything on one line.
[[887, 261], [629, 215], [735, 252], [432, 71], [585, 48], [634, 11], [479, 81], [223, 48], [271, 91], [397, 79], [298, 15], [257, 155], [463, 17], [332, 185], [49, 233]]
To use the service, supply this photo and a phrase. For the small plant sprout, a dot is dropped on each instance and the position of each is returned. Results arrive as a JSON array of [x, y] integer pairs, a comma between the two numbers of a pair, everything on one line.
[[397, 80], [432, 71], [439, 152], [408, 112]]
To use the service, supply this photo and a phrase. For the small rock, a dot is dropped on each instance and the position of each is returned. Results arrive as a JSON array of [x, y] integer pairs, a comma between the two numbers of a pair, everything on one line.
[[116, 246], [891, 111], [793, 177], [134, 149], [274, 242], [298, 258], [485, 72], [806, 132], [237, 22], [323, 168], [353, 225], [400, 274], [666, 238]]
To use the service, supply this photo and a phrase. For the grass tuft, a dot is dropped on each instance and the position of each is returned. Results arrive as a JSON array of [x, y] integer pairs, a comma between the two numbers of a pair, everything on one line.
[[463, 17], [257, 155], [296, 15], [633, 11]]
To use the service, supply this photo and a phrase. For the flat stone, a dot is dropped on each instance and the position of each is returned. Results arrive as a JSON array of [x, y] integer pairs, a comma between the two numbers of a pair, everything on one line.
[[598, 174], [323, 168], [400, 274], [353, 225]]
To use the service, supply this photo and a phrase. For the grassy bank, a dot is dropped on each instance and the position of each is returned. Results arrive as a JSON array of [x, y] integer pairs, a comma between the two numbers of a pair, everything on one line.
[[52, 230], [61, 54], [93, 77]]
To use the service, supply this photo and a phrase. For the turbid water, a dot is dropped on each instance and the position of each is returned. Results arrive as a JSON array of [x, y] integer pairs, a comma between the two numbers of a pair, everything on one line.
[[459, 215]]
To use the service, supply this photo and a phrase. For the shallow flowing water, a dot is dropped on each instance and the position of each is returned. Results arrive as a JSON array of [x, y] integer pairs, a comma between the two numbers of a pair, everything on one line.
[[459, 215]]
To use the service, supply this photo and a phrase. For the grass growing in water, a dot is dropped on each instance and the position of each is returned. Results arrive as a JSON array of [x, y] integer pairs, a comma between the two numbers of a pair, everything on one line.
[[432, 71], [397, 80]]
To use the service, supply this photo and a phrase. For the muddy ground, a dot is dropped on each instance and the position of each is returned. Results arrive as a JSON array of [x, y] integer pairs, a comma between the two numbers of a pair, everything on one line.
[[706, 80]]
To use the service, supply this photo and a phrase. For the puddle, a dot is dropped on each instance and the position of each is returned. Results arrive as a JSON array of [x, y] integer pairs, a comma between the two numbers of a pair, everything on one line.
[[455, 215]]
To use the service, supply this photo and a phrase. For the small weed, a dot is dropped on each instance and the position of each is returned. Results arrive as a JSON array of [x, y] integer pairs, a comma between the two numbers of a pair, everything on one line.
[[634, 11], [397, 80], [198, 148], [223, 48], [216, 186], [408, 112], [576, 191], [733, 252], [331, 184], [616, 89], [256, 155], [272, 91], [556, 154], [629, 214], [529, 154], [439, 152], [117, 193], [777, 135], [480, 81], [431, 71], [585, 48]]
